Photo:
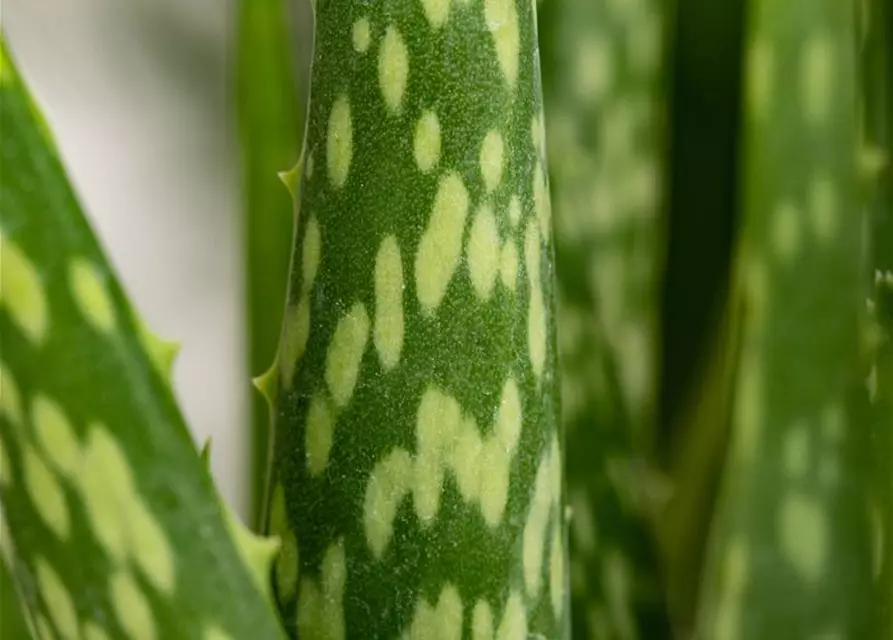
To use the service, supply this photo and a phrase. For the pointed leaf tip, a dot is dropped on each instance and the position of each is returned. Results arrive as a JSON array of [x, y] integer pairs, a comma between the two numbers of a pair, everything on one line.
[[292, 179], [205, 454]]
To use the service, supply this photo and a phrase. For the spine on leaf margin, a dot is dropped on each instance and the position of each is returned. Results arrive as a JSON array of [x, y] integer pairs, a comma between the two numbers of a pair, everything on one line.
[[269, 119], [417, 483], [791, 551], [603, 79], [111, 525]]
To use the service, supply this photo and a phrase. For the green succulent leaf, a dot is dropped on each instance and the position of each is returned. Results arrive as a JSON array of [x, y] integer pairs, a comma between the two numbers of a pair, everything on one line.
[[877, 144], [603, 69], [791, 548], [112, 527], [270, 120], [417, 482]]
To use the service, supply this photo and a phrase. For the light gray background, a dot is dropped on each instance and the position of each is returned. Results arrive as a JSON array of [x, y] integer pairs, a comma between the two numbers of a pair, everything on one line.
[[138, 94]]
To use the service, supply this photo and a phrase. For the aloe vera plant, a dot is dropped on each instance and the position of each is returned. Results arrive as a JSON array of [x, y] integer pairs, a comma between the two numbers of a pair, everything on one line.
[[791, 550], [111, 526], [418, 473], [604, 104]]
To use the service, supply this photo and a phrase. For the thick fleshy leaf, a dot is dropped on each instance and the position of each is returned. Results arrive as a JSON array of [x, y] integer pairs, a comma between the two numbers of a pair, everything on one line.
[[877, 153], [417, 456], [114, 527], [603, 68], [791, 547], [270, 119]]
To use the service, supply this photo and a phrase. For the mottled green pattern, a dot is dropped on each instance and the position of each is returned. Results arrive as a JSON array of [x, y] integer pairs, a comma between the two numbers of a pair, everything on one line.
[[791, 551], [418, 459], [602, 67], [111, 524], [269, 118]]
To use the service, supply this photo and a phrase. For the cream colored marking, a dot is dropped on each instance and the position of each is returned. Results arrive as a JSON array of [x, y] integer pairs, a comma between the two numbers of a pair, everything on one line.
[[514, 619], [876, 522], [509, 416], [319, 434], [92, 631], [149, 546], [309, 615], [502, 20], [786, 230], [393, 68], [441, 244], [536, 315], [426, 142], [541, 203], [465, 460], [494, 478], [121, 519], [310, 254], [804, 536], [760, 77], [796, 450], [389, 323], [309, 165], [508, 265], [320, 610], [818, 75], [10, 398], [437, 12], [47, 496], [213, 632], [594, 69], [346, 354], [438, 422], [107, 486], [56, 435], [91, 295], [515, 211], [288, 566], [389, 483], [823, 207], [492, 159], [482, 252], [441, 622], [362, 35], [535, 527], [21, 291], [57, 599], [339, 142], [131, 607], [556, 572], [482, 621], [295, 333]]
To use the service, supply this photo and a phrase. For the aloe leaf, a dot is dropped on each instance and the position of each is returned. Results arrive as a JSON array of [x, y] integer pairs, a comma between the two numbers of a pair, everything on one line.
[[790, 550], [417, 457], [603, 68], [114, 526], [269, 118], [877, 146]]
